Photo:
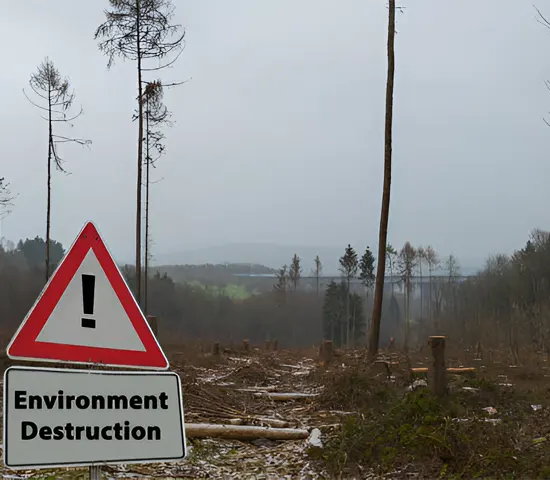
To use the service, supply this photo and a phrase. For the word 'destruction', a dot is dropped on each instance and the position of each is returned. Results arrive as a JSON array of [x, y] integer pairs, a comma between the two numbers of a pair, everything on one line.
[[62, 401], [76, 417]]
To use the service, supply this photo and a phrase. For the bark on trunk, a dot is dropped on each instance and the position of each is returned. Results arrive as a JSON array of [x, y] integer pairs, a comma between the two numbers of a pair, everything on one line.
[[49, 182], [385, 210], [139, 160]]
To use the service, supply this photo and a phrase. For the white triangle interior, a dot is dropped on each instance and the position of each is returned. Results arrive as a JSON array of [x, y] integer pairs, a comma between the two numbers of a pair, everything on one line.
[[113, 328]]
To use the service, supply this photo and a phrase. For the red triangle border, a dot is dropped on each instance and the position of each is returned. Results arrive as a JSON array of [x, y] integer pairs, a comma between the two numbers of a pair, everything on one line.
[[24, 345]]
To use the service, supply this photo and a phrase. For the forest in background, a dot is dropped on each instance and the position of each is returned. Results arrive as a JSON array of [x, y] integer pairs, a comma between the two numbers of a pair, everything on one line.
[[507, 305]]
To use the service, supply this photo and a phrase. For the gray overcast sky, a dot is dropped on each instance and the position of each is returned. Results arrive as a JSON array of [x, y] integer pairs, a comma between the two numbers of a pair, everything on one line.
[[279, 133]]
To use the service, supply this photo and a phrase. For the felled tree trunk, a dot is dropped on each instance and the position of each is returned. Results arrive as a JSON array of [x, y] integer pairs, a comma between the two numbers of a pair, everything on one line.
[[243, 432]]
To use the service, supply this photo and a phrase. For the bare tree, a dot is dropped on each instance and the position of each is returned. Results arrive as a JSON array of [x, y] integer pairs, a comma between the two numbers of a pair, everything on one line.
[[55, 98], [407, 264], [433, 263], [157, 115], [140, 30], [391, 255], [453, 270], [317, 271], [421, 254], [281, 287], [385, 210]]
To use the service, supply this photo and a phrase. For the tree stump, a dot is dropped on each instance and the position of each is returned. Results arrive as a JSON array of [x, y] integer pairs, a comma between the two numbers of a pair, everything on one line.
[[152, 319], [437, 373], [326, 351], [246, 345]]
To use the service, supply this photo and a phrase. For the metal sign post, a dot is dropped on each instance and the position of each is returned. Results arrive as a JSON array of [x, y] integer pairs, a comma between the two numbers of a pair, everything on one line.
[[95, 472]]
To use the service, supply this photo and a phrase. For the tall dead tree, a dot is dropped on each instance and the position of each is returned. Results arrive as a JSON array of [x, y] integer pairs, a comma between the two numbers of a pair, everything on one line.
[[408, 258], [385, 211], [433, 263], [157, 115], [140, 31], [317, 272], [54, 98]]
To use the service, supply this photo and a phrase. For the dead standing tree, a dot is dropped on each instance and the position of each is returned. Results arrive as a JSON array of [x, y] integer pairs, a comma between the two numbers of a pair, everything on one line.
[[317, 272], [55, 99], [140, 30], [385, 211], [407, 264], [433, 263], [157, 115]]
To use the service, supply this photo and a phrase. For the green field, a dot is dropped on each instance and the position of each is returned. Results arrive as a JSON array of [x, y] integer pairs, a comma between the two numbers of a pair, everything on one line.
[[233, 291]]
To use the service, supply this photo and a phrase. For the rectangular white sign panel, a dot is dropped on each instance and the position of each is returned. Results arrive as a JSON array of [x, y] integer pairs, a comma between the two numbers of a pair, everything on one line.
[[55, 417]]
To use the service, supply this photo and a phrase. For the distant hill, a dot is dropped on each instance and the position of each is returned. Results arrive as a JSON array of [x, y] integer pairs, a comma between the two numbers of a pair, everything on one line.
[[212, 274], [271, 255], [268, 254]]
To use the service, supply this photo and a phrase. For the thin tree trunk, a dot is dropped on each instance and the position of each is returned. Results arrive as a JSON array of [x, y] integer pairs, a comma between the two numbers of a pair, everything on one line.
[[421, 292], [49, 182], [385, 210], [391, 278], [430, 309], [367, 320], [139, 159], [407, 312], [348, 325], [146, 260], [317, 281]]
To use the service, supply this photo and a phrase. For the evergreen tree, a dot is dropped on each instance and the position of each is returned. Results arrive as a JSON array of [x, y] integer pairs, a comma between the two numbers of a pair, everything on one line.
[[349, 264], [366, 272], [334, 314]]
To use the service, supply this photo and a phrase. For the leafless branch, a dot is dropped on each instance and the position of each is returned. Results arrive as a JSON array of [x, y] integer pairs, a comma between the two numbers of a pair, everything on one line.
[[541, 18]]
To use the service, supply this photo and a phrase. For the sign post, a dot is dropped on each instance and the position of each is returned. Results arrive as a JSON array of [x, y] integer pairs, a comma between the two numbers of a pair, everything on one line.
[[86, 315]]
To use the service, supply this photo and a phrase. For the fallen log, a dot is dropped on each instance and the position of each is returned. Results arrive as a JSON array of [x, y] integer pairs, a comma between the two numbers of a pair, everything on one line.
[[243, 432], [256, 389], [283, 397], [271, 422]]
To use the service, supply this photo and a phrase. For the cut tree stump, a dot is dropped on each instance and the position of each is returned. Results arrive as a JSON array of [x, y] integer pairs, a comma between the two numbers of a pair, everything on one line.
[[326, 351], [437, 372], [243, 432]]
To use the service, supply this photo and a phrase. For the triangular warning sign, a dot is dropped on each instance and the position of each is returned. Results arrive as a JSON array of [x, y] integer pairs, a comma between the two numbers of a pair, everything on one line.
[[87, 314]]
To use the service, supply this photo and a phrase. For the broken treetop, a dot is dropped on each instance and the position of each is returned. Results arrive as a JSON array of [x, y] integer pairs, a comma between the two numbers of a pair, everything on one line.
[[87, 314]]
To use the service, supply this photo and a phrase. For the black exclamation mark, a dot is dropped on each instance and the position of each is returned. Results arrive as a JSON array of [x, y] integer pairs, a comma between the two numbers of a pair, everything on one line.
[[88, 287]]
